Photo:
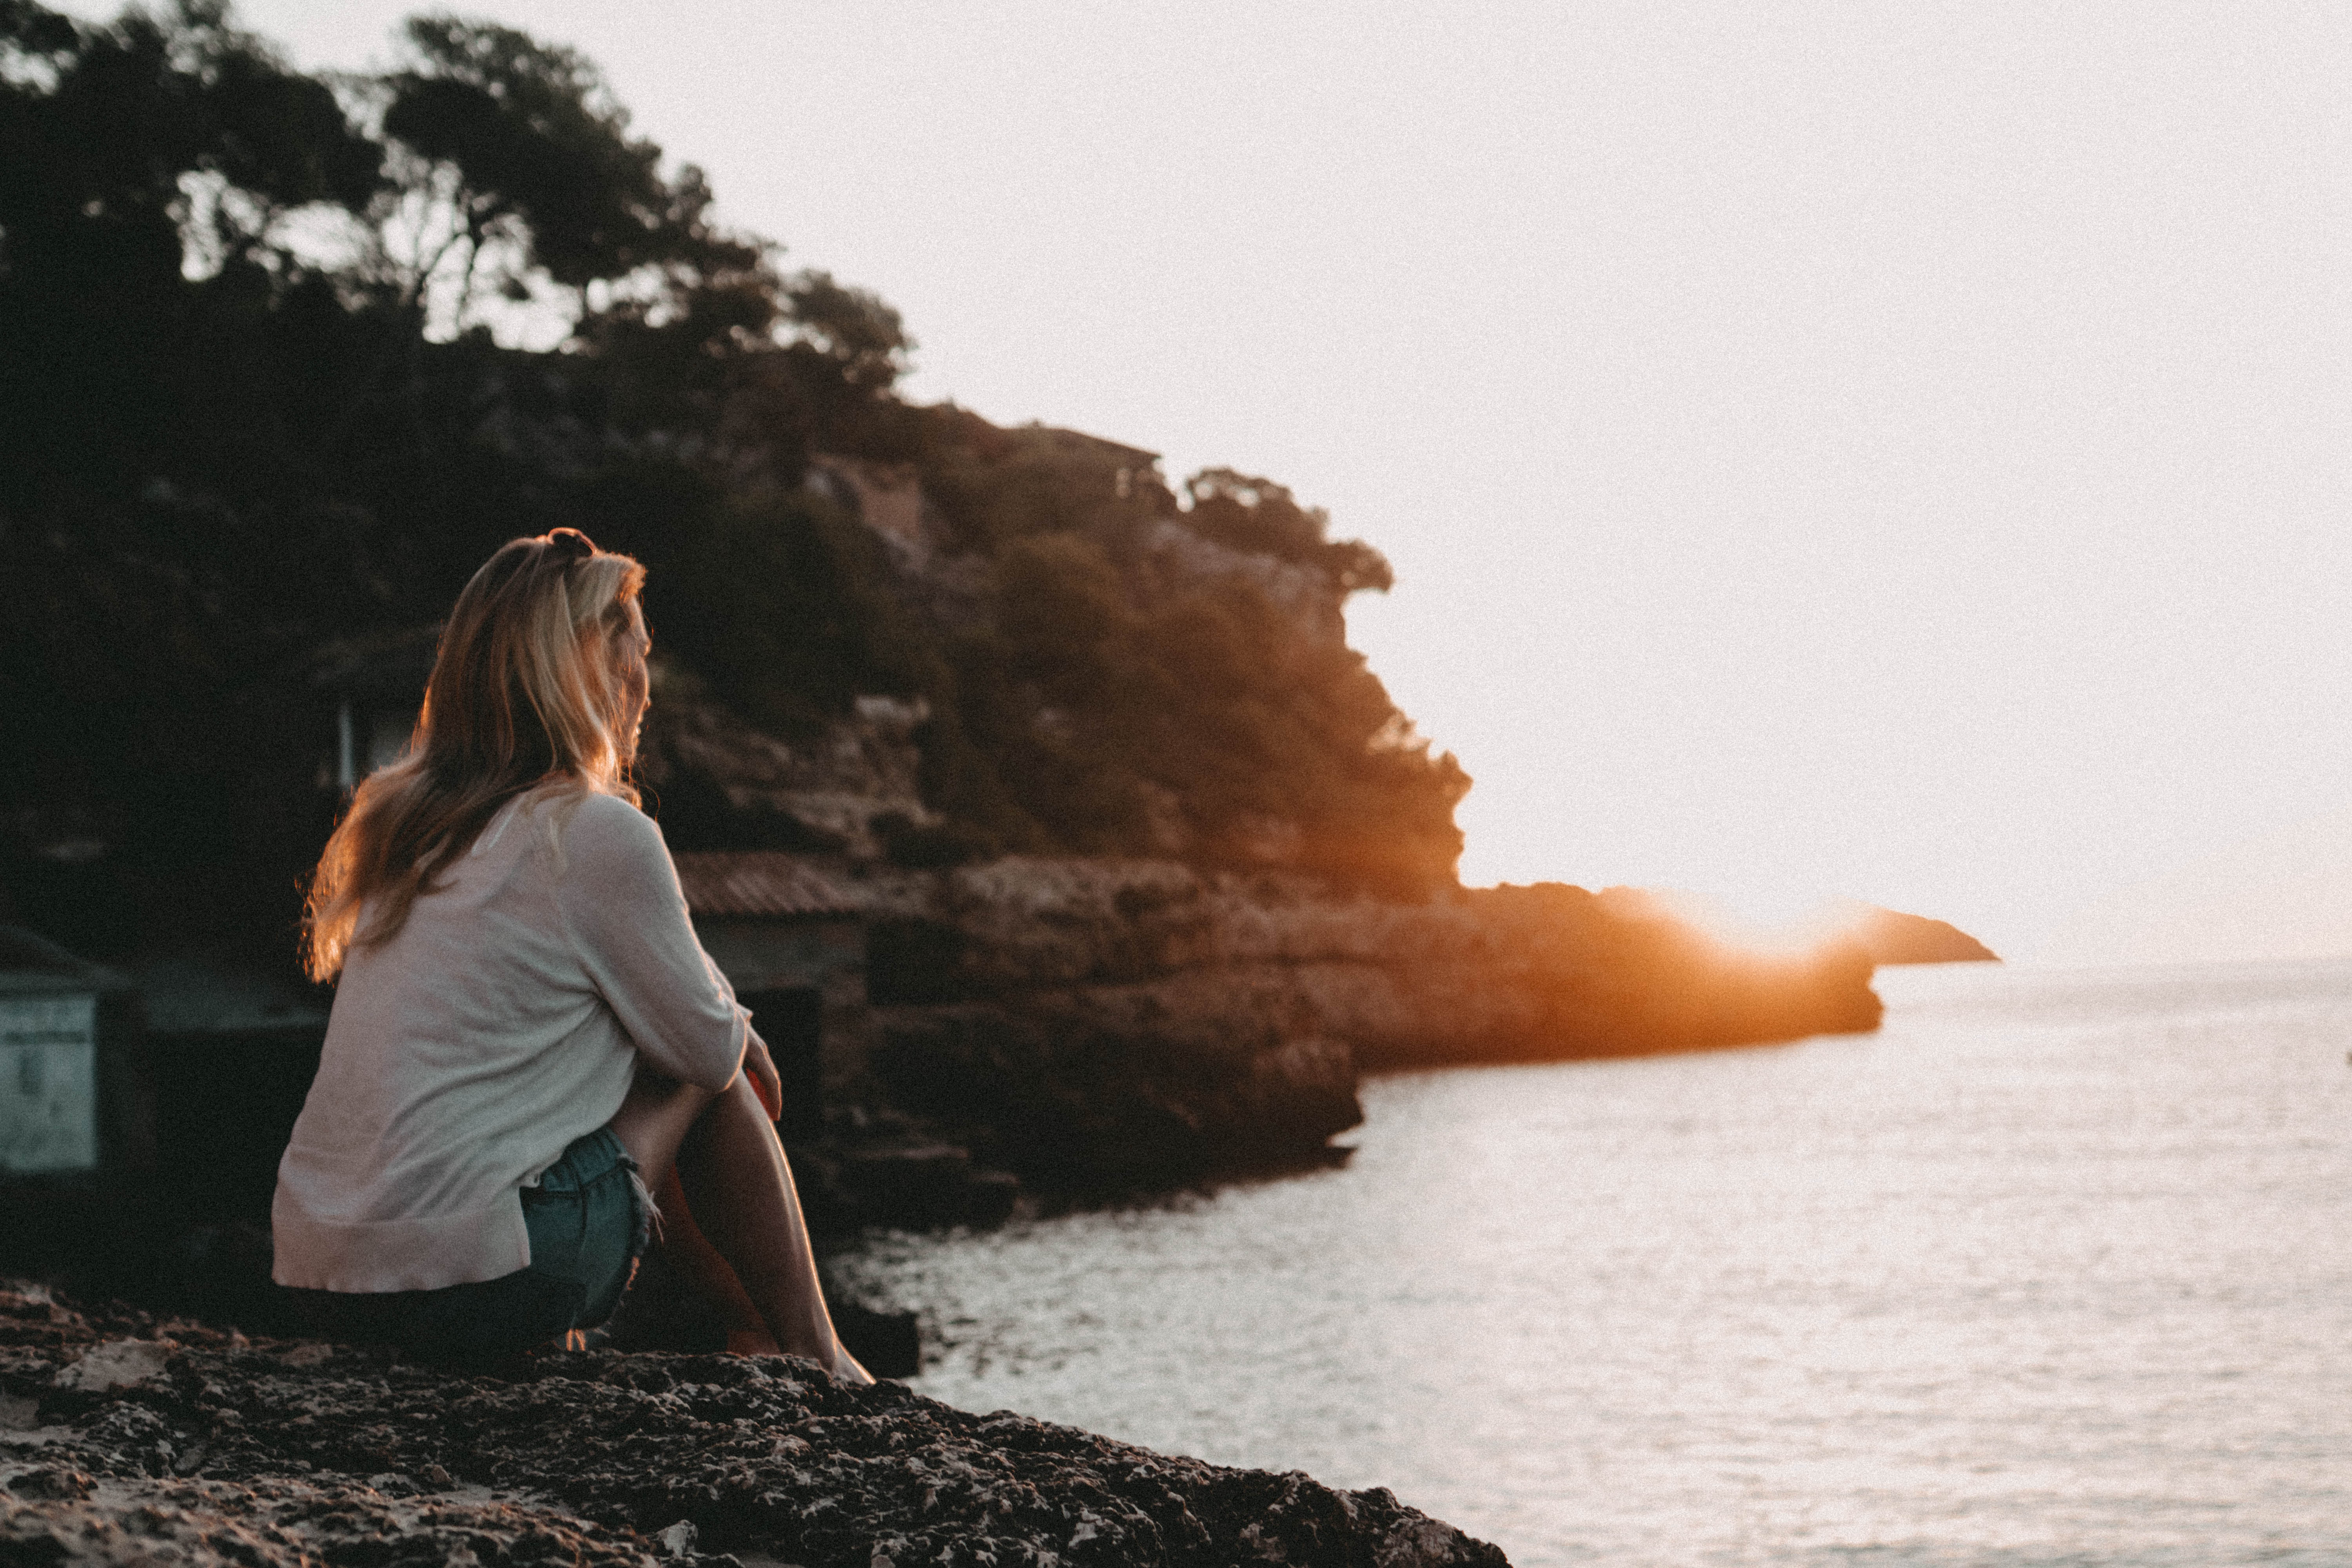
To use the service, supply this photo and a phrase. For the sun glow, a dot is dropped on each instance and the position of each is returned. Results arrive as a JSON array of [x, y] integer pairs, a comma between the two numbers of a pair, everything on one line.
[[1772, 924], [1758, 912]]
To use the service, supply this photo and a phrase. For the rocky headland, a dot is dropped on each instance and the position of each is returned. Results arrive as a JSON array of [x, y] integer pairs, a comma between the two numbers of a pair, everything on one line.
[[1142, 867], [1890, 936], [1073, 1027], [124, 1439], [1091, 1022]]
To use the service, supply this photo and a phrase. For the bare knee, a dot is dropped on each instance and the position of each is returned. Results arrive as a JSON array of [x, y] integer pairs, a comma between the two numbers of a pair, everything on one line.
[[732, 1120], [656, 1118], [741, 1099]]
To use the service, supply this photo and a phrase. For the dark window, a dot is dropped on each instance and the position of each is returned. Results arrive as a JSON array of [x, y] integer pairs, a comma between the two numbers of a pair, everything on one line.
[[791, 1020]]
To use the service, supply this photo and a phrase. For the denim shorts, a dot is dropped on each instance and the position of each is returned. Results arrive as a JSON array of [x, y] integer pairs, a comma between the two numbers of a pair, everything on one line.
[[588, 1219]]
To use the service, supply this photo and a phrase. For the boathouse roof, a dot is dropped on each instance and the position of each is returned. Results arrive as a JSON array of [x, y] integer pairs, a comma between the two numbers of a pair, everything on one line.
[[31, 964], [761, 882]]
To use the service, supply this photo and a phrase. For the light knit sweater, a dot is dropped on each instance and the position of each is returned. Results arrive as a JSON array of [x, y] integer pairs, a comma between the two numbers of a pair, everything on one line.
[[503, 1020]]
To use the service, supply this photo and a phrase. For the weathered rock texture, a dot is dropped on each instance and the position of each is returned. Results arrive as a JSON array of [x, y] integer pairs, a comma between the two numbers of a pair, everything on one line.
[[716, 782], [1084, 1022], [124, 1440]]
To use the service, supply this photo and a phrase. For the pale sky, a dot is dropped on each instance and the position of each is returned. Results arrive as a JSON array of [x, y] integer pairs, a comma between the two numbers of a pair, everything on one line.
[[1895, 450]]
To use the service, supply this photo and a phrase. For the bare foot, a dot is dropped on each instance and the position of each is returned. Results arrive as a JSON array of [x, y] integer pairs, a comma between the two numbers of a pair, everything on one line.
[[752, 1341]]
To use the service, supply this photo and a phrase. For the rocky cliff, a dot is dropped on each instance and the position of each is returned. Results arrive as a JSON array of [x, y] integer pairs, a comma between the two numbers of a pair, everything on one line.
[[1091, 1022], [1100, 1025], [126, 1441]]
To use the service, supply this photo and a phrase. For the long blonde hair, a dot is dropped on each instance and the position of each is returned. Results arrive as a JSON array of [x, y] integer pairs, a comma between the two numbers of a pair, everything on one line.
[[526, 689]]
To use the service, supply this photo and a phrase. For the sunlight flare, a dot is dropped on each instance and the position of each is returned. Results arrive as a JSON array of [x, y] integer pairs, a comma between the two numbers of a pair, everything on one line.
[[1770, 923]]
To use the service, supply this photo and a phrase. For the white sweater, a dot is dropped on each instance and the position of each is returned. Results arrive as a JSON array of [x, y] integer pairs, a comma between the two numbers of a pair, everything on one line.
[[504, 1020]]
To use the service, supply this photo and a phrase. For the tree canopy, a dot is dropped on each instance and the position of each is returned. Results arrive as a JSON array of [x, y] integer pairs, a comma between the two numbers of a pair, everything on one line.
[[283, 357]]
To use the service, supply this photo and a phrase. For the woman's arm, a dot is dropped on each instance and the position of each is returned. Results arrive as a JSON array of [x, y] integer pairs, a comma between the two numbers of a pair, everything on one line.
[[627, 923]]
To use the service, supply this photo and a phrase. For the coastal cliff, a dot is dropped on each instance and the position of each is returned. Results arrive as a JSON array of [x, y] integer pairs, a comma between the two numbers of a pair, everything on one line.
[[128, 1440], [1117, 1025], [1144, 862], [1086, 1025], [1465, 975]]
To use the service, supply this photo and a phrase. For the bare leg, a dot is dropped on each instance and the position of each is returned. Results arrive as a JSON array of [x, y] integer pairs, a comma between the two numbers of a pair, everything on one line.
[[741, 1215], [690, 1250], [655, 1119]]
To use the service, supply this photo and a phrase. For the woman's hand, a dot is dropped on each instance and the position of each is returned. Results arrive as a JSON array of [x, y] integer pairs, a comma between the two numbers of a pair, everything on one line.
[[761, 1068]]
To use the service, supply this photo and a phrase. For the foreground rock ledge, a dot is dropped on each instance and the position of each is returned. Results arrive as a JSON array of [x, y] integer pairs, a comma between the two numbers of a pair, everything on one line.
[[125, 1440]]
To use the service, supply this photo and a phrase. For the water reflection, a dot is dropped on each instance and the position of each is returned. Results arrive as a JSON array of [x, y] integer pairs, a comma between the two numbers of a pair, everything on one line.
[[2055, 1267]]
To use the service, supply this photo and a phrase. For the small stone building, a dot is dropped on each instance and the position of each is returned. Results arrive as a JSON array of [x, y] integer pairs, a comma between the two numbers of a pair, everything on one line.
[[375, 687], [71, 1100], [791, 938]]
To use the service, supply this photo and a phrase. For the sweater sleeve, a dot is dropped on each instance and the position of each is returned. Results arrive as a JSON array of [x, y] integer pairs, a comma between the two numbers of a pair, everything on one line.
[[628, 921]]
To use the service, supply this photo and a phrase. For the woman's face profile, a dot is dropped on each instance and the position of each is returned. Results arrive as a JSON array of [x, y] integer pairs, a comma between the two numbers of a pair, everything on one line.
[[631, 647]]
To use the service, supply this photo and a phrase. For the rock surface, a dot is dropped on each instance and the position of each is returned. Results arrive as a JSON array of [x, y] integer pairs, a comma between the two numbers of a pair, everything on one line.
[[124, 1440], [1477, 974], [1096, 1024]]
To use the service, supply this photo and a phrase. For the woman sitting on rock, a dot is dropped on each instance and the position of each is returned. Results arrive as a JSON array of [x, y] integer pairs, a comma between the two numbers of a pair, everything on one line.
[[525, 1020]]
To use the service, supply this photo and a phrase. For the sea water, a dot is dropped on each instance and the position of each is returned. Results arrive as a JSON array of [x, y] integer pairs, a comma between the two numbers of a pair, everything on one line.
[[2054, 1268]]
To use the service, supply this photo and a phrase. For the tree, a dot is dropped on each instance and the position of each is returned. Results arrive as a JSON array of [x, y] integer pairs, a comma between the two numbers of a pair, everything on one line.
[[247, 405], [851, 327], [515, 161], [138, 158], [1259, 516]]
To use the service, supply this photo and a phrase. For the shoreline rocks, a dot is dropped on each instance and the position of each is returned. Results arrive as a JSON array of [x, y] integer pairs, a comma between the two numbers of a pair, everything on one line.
[[127, 1439], [1112, 1027]]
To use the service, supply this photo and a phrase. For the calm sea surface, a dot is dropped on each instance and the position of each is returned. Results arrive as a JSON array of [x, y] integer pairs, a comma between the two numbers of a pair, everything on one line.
[[2056, 1268]]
